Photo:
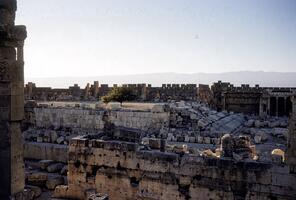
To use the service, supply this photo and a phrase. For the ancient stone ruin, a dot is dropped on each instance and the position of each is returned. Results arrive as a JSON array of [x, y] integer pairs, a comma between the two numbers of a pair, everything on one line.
[[263, 101], [182, 150], [12, 38], [173, 142]]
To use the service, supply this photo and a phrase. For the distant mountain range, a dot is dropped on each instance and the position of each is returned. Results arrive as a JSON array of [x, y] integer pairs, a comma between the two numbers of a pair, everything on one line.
[[268, 79]]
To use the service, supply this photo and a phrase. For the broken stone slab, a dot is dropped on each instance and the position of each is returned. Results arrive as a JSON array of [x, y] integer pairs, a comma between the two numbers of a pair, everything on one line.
[[258, 124], [61, 191], [191, 139], [53, 136], [26, 194], [249, 123], [43, 164], [39, 139], [157, 108], [37, 178], [260, 137], [37, 190], [257, 139], [64, 170], [60, 140], [207, 140], [56, 167], [92, 195], [186, 139], [273, 124], [280, 132], [283, 124], [54, 181], [199, 139], [201, 123], [193, 116]]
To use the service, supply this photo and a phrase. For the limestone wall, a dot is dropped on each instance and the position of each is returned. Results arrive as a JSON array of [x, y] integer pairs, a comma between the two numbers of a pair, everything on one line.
[[123, 172], [11, 101], [93, 119], [139, 120], [45, 151]]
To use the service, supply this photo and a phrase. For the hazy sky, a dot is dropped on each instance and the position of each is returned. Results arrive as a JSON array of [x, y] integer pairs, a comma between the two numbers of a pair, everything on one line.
[[101, 37]]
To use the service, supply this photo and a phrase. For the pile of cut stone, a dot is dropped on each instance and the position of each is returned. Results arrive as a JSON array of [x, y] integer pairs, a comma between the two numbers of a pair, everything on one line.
[[43, 176]]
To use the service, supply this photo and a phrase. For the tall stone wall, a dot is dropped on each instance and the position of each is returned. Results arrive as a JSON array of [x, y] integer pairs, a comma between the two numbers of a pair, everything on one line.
[[123, 171], [245, 102], [11, 101], [257, 100], [142, 91], [76, 118]]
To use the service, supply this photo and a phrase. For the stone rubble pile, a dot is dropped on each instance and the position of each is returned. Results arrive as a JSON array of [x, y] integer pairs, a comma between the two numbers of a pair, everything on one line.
[[177, 122], [43, 176], [61, 137]]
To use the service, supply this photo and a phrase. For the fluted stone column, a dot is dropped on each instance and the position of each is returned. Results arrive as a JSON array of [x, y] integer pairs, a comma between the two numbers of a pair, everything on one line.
[[11, 101]]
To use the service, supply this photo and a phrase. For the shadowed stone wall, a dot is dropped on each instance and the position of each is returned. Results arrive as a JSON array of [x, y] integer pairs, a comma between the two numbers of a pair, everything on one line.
[[291, 150], [123, 171], [92, 119], [11, 101]]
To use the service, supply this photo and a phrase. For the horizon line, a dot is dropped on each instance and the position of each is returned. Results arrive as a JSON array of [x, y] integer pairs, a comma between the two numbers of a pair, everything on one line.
[[153, 73]]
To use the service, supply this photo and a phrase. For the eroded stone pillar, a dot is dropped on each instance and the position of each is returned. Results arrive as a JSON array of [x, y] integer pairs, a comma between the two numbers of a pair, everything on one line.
[[12, 38], [277, 106], [291, 148], [285, 105]]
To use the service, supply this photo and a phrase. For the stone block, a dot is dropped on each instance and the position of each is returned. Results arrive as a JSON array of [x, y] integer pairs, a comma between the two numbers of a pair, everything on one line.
[[43, 164], [56, 167], [60, 140], [46, 151], [37, 178], [154, 143], [54, 181], [53, 136], [200, 139], [207, 140], [37, 190]]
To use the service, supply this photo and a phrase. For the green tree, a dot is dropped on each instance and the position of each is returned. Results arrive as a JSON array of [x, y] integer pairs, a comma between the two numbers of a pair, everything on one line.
[[119, 94]]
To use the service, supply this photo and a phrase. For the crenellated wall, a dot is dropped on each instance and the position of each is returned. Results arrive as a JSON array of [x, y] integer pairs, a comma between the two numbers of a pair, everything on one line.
[[143, 92]]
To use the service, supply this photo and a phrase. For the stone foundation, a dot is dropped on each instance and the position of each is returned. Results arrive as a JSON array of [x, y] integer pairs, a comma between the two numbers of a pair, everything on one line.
[[122, 171]]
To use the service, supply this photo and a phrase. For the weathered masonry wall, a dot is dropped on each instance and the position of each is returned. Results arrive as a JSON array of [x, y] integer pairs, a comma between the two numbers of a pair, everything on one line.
[[257, 100], [124, 172], [93, 119], [46, 151], [11, 101], [144, 92]]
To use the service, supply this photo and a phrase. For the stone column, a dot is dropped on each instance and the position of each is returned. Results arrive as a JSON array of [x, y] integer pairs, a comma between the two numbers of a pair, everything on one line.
[[285, 106], [12, 38], [291, 147], [277, 106], [223, 102], [262, 102], [96, 89]]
